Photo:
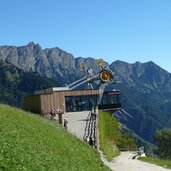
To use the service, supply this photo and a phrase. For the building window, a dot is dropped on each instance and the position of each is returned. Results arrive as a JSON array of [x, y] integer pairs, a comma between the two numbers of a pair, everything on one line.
[[80, 103], [110, 101]]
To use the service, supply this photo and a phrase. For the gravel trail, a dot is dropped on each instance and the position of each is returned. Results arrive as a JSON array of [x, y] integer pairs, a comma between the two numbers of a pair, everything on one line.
[[124, 162]]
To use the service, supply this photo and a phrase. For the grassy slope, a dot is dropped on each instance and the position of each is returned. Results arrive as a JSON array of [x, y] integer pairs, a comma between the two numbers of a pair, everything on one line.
[[160, 162], [29, 142], [110, 137]]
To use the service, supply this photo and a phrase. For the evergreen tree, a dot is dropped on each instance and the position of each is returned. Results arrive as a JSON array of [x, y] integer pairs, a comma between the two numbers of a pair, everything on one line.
[[163, 141]]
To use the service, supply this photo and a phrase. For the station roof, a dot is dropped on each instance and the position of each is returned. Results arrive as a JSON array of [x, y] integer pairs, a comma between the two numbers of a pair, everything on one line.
[[51, 90]]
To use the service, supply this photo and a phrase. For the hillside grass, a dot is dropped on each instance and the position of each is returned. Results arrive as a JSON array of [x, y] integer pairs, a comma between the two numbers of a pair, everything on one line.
[[159, 162], [30, 142], [111, 139]]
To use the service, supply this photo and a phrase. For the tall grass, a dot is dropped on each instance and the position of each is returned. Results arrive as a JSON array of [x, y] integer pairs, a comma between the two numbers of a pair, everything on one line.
[[110, 137], [107, 135], [28, 142]]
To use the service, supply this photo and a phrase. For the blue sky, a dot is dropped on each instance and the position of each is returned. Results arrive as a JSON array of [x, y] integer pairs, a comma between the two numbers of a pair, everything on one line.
[[128, 30]]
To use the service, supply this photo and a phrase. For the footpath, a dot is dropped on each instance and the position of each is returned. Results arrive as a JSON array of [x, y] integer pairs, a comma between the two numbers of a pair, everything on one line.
[[124, 162]]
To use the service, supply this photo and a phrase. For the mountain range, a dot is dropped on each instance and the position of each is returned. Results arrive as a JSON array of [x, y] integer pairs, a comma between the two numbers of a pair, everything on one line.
[[145, 87]]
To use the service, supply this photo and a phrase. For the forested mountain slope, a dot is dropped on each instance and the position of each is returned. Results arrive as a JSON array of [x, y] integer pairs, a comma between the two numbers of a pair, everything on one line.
[[15, 83]]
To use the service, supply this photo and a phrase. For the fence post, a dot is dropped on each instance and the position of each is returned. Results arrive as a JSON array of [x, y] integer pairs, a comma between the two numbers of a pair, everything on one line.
[[60, 117]]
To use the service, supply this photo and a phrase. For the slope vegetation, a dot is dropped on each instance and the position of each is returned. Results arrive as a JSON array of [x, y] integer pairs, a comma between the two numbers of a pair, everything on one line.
[[15, 83], [29, 142], [111, 138]]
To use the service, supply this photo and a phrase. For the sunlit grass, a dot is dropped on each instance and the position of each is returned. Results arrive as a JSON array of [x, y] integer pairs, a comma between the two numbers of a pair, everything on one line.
[[107, 135], [110, 137], [29, 142]]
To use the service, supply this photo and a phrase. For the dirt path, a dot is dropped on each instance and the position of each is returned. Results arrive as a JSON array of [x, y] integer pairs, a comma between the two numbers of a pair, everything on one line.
[[124, 162]]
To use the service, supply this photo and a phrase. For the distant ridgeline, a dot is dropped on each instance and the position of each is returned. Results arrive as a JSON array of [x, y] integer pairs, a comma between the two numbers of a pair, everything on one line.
[[145, 87]]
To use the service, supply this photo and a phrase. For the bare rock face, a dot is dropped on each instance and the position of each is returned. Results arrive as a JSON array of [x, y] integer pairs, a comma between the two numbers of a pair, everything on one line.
[[50, 62], [147, 76], [54, 63]]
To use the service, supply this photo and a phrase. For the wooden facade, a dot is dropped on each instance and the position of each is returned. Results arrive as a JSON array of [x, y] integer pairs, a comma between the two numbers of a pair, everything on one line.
[[44, 102]]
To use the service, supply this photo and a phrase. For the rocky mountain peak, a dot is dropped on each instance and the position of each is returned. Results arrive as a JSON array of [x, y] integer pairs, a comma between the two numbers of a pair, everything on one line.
[[31, 44]]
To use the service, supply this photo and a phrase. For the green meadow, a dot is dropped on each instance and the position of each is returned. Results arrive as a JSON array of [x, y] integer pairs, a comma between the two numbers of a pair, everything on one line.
[[28, 142]]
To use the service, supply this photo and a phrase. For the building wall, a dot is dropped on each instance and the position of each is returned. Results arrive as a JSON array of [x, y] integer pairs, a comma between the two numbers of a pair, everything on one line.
[[32, 103], [44, 103], [49, 101]]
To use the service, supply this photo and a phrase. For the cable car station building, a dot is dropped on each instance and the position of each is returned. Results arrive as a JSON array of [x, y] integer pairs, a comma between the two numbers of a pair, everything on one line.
[[67, 100]]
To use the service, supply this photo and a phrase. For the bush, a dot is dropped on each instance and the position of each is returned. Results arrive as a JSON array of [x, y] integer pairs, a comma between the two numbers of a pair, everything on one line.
[[163, 141]]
